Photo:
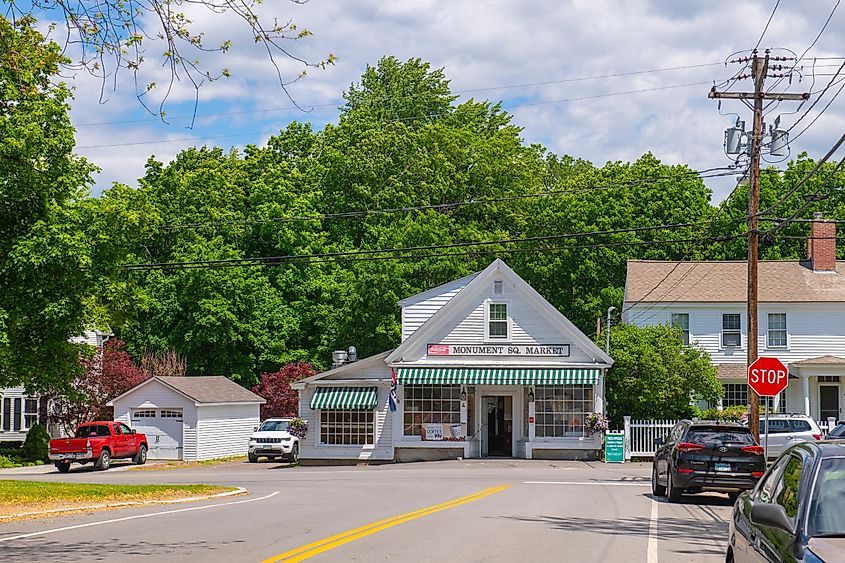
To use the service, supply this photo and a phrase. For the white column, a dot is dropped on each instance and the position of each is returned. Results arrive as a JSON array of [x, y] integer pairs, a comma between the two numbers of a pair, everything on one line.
[[805, 385]]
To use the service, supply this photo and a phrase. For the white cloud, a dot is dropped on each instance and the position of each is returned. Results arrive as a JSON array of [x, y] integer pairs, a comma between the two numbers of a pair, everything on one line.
[[482, 45]]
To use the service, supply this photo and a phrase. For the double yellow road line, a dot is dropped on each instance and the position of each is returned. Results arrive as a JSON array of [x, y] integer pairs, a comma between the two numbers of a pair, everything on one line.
[[332, 542]]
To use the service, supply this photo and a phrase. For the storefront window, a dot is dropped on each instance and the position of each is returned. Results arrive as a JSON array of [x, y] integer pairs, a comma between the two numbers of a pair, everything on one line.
[[352, 428], [560, 411], [431, 404]]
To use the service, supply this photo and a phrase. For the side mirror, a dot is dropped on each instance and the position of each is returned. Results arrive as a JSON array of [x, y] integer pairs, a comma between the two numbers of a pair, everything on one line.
[[255, 429], [659, 442], [772, 515], [134, 431]]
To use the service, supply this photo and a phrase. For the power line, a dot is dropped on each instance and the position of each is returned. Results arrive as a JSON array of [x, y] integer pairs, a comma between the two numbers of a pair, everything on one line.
[[369, 252], [707, 173], [429, 116], [390, 98], [765, 29]]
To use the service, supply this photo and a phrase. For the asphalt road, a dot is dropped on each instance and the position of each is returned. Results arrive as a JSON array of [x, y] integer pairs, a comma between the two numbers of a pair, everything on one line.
[[526, 511]]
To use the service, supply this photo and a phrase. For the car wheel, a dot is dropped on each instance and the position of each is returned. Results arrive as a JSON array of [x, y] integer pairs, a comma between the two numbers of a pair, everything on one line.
[[294, 454], [656, 489], [63, 467], [734, 495], [104, 461], [252, 458], [672, 493], [141, 456]]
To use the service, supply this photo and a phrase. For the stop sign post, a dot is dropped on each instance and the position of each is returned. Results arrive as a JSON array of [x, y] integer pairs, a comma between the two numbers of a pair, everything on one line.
[[768, 377]]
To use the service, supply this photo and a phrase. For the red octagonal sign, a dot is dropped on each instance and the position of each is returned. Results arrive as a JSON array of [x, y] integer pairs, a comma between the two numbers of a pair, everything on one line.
[[768, 376]]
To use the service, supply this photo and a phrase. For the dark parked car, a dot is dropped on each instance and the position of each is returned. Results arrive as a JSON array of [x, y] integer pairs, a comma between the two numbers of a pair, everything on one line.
[[706, 456], [797, 510], [838, 432]]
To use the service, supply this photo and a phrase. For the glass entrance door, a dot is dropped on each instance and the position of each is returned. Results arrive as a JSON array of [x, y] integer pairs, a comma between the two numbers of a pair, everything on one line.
[[829, 402], [498, 425]]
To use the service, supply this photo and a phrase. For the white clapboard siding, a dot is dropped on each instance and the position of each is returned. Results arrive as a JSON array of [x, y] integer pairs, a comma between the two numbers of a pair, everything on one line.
[[224, 430], [418, 309], [382, 449], [813, 329]]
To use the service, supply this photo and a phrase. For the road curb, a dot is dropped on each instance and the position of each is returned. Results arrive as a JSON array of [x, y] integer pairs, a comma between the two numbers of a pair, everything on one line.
[[237, 491]]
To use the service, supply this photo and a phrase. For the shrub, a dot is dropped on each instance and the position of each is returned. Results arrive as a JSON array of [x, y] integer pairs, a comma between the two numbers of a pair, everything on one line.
[[37, 443], [731, 414], [6, 462]]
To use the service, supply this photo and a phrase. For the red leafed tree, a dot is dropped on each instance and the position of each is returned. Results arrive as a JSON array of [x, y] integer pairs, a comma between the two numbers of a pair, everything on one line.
[[108, 373], [282, 401]]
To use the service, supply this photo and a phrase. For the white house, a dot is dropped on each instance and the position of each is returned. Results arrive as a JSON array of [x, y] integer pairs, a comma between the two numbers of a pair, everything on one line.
[[486, 367], [19, 410], [190, 418], [801, 318]]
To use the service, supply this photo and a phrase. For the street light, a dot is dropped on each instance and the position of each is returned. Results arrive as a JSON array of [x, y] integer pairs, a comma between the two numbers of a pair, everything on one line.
[[607, 341]]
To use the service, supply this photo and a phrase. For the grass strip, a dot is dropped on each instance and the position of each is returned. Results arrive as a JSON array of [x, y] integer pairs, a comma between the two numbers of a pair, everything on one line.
[[17, 492]]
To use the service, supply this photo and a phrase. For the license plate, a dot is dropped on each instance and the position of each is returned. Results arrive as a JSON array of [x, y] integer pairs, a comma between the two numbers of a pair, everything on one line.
[[723, 467]]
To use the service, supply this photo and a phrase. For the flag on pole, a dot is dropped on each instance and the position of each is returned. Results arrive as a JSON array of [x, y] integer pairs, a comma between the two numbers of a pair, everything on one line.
[[392, 398]]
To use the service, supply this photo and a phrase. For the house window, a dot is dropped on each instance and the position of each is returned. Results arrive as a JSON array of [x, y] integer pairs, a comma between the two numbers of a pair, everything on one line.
[[16, 419], [7, 414], [828, 379], [561, 410], [497, 320], [30, 412], [347, 428], [731, 335], [769, 402], [735, 394], [169, 413], [777, 330], [145, 413], [431, 404], [681, 320]]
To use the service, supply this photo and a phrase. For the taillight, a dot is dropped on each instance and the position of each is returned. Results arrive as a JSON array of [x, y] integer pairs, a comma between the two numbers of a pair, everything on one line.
[[689, 447], [817, 436], [757, 474], [756, 450], [684, 470]]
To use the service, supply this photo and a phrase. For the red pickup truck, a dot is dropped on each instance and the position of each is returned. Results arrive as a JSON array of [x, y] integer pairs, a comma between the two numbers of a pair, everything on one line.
[[99, 442]]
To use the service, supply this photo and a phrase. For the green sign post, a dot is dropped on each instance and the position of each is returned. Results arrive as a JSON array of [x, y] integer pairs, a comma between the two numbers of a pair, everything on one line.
[[614, 447]]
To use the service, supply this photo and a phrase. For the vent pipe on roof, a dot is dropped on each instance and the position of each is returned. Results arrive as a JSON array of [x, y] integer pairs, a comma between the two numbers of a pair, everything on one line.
[[343, 357]]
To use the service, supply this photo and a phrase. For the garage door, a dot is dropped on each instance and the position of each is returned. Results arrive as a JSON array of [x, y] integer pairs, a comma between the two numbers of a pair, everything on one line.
[[163, 428]]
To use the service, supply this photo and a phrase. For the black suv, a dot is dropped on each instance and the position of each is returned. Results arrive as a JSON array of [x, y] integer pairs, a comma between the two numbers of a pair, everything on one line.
[[706, 456]]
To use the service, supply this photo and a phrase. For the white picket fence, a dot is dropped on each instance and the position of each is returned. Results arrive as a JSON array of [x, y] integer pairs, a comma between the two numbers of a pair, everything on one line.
[[640, 434]]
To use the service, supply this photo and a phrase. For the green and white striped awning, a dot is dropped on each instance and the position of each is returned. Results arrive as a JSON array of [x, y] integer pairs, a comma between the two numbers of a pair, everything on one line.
[[344, 398], [498, 376]]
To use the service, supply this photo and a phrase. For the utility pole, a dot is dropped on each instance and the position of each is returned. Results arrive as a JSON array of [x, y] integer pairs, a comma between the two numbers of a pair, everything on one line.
[[759, 69]]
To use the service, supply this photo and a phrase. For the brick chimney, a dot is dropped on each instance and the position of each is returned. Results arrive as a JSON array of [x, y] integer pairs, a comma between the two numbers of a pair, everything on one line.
[[821, 246]]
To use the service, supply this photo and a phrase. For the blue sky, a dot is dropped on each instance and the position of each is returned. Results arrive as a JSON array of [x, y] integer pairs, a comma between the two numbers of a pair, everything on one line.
[[499, 47]]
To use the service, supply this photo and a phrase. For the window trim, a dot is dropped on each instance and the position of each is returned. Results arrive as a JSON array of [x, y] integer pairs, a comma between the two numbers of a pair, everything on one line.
[[372, 429], [24, 413], [687, 332], [412, 400], [547, 394], [737, 331], [785, 330], [508, 322]]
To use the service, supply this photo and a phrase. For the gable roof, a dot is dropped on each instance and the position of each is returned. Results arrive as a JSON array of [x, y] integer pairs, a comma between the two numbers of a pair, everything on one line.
[[821, 361], [476, 286], [202, 389], [786, 281], [350, 367], [439, 290]]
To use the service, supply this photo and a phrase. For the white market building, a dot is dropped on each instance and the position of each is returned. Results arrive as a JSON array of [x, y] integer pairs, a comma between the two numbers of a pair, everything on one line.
[[190, 418], [486, 367]]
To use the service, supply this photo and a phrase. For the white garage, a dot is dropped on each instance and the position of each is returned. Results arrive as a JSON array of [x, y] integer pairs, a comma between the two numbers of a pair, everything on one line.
[[190, 418]]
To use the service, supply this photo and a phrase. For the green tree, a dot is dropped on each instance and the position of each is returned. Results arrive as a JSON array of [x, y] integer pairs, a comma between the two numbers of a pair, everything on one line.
[[655, 375]]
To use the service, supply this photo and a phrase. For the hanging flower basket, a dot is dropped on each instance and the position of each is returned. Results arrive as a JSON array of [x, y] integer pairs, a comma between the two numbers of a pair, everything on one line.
[[298, 428], [596, 423]]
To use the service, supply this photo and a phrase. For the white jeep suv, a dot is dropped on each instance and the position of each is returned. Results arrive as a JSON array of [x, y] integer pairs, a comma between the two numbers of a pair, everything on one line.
[[273, 441]]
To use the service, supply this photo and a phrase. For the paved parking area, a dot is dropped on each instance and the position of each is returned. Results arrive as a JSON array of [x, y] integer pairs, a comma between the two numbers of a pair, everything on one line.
[[501, 510]]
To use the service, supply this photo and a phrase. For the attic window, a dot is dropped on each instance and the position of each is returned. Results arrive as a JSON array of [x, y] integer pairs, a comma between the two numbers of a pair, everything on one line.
[[497, 287], [497, 321]]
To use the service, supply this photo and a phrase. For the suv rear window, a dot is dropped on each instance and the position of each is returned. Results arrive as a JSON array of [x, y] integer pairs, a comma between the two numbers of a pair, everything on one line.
[[800, 426], [776, 426], [719, 435]]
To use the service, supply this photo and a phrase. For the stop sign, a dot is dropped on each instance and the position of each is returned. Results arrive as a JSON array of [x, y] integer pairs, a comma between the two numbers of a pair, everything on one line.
[[767, 376]]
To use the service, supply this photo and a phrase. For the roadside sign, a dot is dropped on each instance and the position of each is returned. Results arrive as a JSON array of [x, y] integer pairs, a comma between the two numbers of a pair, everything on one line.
[[614, 447], [768, 377]]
